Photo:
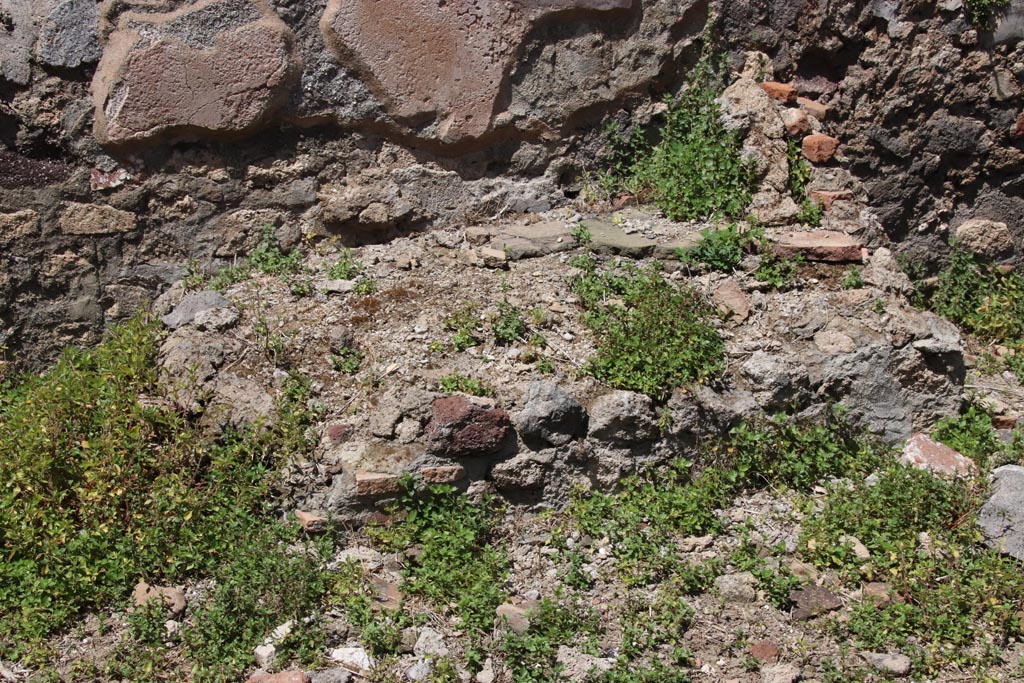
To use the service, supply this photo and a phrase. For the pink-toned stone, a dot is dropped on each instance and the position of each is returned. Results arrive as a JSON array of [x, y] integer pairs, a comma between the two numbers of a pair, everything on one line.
[[172, 598], [828, 197], [813, 108], [465, 426], [443, 474], [780, 92], [311, 522], [926, 453], [818, 245], [764, 651], [294, 676], [443, 62], [370, 484], [796, 122], [819, 148], [729, 296], [176, 74]]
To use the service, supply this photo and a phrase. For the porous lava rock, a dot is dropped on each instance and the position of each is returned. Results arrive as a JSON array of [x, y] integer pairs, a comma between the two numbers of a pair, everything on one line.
[[463, 426]]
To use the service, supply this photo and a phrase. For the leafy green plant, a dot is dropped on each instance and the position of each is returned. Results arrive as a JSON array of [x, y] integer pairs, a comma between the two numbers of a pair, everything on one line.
[[365, 286], [984, 12], [652, 335], [982, 300], [696, 168], [102, 488], [853, 279], [778, 271], [468, 385], [267, 258], [581, 234], [508, 325], [347, 267], [532, 656], [347, 360], [799, 176], [458, 564], [463, 324], [722, 249]]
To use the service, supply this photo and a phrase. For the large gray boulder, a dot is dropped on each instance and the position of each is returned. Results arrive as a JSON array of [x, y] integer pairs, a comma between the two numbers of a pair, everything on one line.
[[1002, 516]]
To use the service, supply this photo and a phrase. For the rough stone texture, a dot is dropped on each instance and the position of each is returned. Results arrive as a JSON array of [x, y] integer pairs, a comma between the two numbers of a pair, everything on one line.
[[985, 237], [818, 245], [295, 676], [892, 664], [95, 219], [926, 453], [369, 484], [781, 92], [550, 416], [781, 673], [819, 148], [463, 426], [730, 297], [812, 601], [737, 588], [445, 61], [239, 402], [193, 304], [622, 416], [181, 73], [1002, 516], [69, 35], [172, 598]]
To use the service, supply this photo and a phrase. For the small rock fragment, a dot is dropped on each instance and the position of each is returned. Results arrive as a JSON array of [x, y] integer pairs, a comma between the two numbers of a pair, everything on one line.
[[764, 651], [780, 92], [926, 453], [737, 588], [812, 601], [354, 658], [294, 676], [819, 148], [310, 522], [896, 665], [172, 598]]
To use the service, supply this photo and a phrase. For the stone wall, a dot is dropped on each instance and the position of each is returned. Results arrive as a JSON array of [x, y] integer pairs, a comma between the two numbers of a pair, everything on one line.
[[137, 136]]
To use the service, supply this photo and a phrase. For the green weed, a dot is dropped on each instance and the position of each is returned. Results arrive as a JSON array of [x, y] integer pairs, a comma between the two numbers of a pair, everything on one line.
[[347, 267], [652, 336], [722, 249], [467, 385], [463, 324]]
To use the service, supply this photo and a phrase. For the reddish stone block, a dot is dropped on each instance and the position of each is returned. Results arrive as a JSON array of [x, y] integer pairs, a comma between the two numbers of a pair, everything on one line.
[[820, 148], [764, 651], [827, 197], [818, 245], [294, 676], [463, 426], [779, 92], [926, 453], [443, 474], [815, 109], [370, 484]]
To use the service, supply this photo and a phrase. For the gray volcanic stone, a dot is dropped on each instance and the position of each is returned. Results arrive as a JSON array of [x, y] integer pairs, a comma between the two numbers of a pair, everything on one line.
[[1002, 516], [69, 36], [193, 304], [550, 415], [623, 416]]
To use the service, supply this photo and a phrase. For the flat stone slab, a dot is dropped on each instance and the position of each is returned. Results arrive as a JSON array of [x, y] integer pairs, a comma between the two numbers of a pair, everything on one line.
[[533, 240], [818, 245], [1002, 516], [608, 238], [926, 453]]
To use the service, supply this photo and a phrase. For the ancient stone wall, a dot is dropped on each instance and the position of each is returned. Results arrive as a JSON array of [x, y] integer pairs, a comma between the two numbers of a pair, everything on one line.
[[137, 136]]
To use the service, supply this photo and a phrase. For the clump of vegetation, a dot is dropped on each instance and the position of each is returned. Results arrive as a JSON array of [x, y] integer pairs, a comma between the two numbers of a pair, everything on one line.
[[347, 360], [533, 655], [984, 12], [464, 324], [467, 385], [983, 301], [459, 566], [722, 249], [508, 325], [853, 279], [102, 489], [799, 177], [581, 234], [696, 168], [778, 271], [267, 258], [652, 335], [365, 286], [347, 267]]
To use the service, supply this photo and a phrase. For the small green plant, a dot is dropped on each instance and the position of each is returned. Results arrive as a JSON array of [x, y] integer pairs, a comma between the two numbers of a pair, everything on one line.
[[533, 656], [878, 307], [652, 335], [853, 279], [581, 234], [799, 177], [722, 249], [347, 360], [508, 325], [982, 300], [347, 267], [463, 325], [268, 258], [365, 286], [458, 566], [696, 169], [467, 385], [984, 12], [778, 271]]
